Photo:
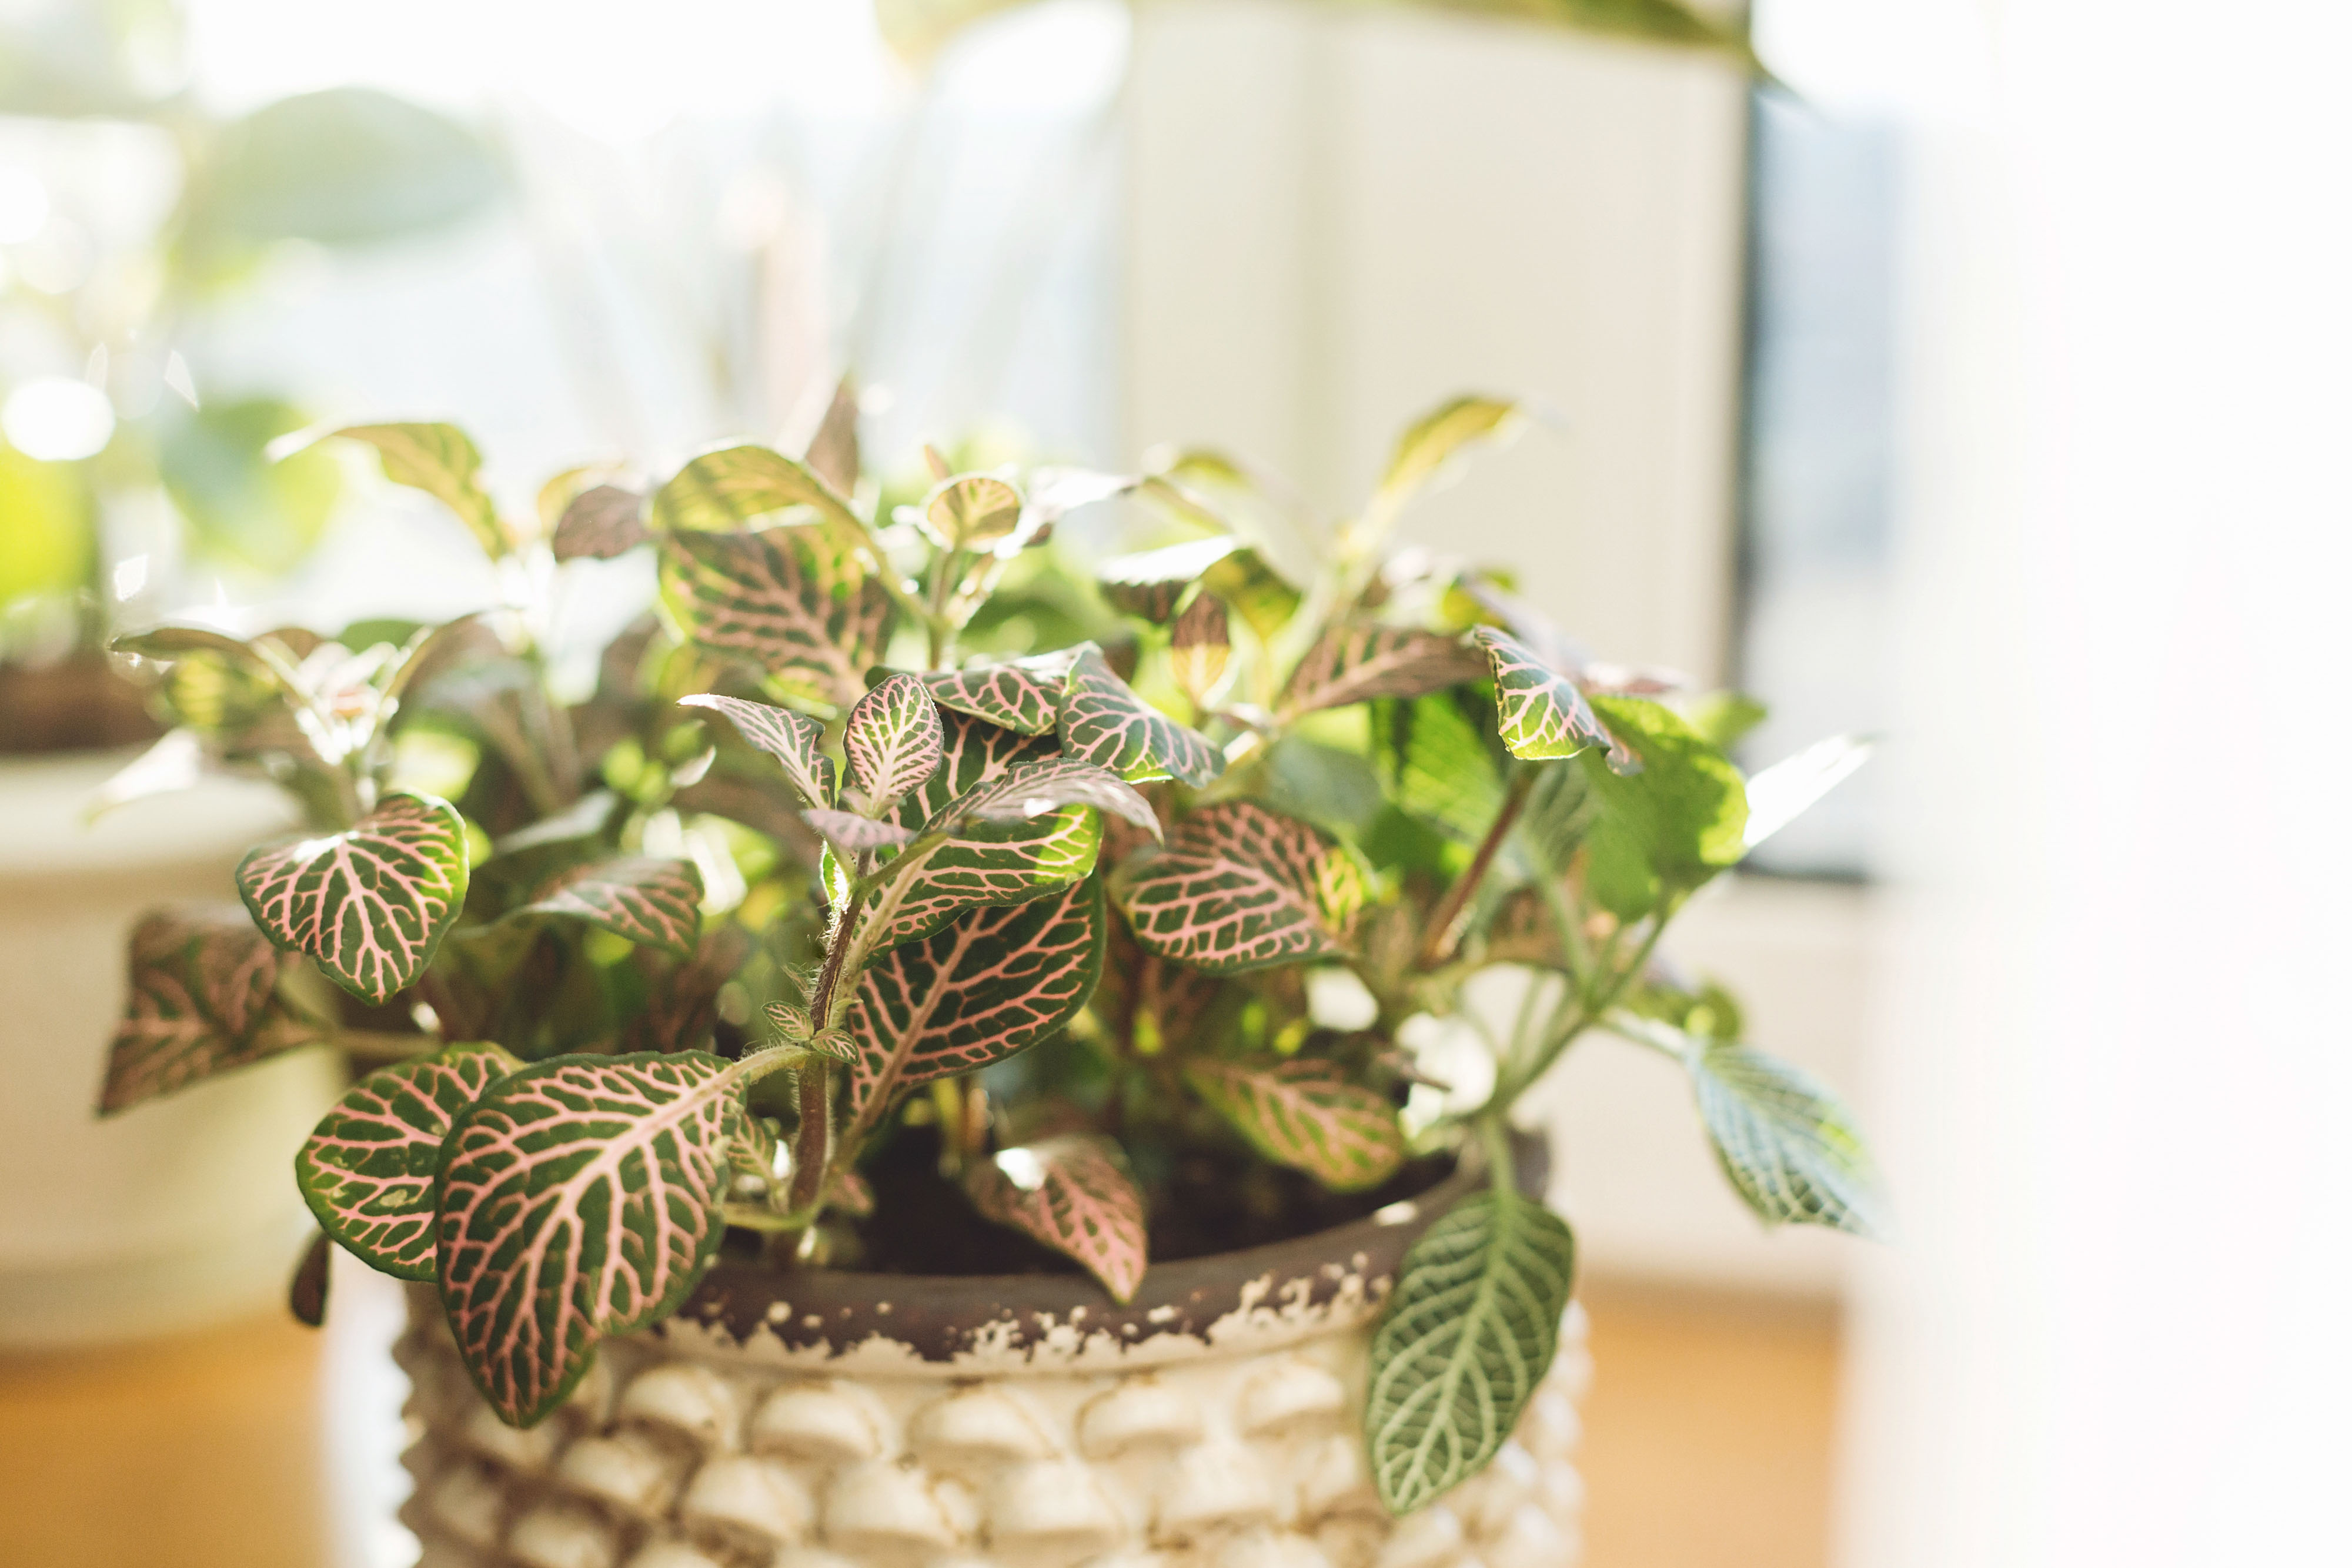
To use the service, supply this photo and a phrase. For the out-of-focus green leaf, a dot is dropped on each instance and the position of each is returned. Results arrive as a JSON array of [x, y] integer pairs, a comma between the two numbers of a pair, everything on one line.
[[1439, 763], [239, 506], [47, 534], [347, 166], [442, 461], [1674, 824], [1724, 717]]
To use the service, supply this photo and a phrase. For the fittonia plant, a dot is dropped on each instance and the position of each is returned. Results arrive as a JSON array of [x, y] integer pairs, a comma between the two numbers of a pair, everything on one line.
[[898, 856]]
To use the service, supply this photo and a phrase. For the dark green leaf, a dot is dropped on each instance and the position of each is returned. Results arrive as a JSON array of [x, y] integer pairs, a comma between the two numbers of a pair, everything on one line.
[[370, 904], [1102, 721]]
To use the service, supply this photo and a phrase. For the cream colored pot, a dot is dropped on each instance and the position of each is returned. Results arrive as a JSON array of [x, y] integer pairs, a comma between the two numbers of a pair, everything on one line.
[[835, 1421], [177, 1213]]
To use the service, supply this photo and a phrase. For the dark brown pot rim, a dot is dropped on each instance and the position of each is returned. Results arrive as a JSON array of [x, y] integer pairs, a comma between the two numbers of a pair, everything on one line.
[[1326, 1279]]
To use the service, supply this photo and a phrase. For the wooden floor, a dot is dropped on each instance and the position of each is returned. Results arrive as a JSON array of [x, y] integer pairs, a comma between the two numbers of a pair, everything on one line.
[[1707, 1444]]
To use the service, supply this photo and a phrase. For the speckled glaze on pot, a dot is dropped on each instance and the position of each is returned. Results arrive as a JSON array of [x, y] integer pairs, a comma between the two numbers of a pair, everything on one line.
[[826, 1420]]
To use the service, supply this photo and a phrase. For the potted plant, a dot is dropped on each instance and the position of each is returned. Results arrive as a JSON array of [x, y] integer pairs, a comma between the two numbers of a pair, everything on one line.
[[931, 1056]]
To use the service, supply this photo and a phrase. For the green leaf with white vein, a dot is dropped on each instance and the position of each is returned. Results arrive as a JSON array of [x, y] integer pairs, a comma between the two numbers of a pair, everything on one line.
[[791, 738], [580, 1198], [989, 983], [1356, 663], [1306, 1114], [1542, 712], [370, 904], [1470, 1331], [367, 1171], [856, 835], [1238, 887], [1786, 1142], [1102, 721], [796, 602], [1074, 1194], [441, 461], [893, 738], [1440, 435], [204, 1000], [1671, 826], [653, 902]]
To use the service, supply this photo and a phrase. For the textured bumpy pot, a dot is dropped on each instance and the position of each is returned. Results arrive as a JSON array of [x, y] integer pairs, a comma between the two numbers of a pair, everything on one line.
[[179, 1212], [838, 1420]]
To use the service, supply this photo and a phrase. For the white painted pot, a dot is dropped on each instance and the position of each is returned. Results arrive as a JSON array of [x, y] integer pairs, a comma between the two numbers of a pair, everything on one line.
[[175, 1214], [835, 1420]]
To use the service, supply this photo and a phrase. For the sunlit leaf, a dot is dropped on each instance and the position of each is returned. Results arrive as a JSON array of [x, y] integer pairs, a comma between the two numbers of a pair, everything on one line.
[[790, 737], [1104, 722], [1470, 1331], [850, 831], [204, 1000], [1200, 646], [1353, 663], [833, 451], [599, 523], [367, 1171], [1239, 887], [654, 902], [1442, 433], [1150, 584], [580, 1198], [1543, 714], [370, 904], [1031, 790], [984, 986], [1074, 1195], [1023, 694], [441, 461], [1306, 1114], [1786, 791], [893, 738], [1675, 824], [1722, 717], [727, 489], [972, 512], [788, 599]]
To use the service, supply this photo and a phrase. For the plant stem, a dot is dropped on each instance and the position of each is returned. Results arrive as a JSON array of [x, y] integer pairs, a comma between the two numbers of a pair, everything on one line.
[[1495, 1136], [1438, 945], [1511, 1084], [379, 1046]]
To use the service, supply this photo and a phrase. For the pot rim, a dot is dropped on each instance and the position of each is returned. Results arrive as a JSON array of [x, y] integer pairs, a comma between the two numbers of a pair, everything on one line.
[[962, 1324]]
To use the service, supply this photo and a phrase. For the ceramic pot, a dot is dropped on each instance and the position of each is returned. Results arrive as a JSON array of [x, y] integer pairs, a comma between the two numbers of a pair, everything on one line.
[[821, 1419], [177, 1213]]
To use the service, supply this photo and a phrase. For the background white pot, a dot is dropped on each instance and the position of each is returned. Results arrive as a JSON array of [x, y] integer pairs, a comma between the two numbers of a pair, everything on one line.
[[177, 1213], [823, 1419]]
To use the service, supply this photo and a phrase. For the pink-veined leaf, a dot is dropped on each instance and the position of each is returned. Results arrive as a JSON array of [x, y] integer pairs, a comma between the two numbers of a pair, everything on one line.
[[972, 512], [581, 1197], [1074, 1194], [1149, 585], [1356, 663], [729, 489], [440, 460], [1200, 646], [367, 1171], [653, 902], [1542, 713], [599, 523], [1031, 790], [683, 1009], [791, 738], [848, 831], [369, 903], [203, 999], [796, 602], [893, 740], [1024, 696], [1104, 722], [987, 984], [1306, 1114], [1240, 887]]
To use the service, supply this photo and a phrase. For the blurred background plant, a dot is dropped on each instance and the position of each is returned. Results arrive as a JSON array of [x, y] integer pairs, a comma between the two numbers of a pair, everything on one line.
[[128, 209]]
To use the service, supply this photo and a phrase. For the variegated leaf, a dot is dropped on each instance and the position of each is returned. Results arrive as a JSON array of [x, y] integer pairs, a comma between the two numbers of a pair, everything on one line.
[[579, 1198], [684, 1007], [367, 1171], [833, 451], [1150, 584], [653, 902], [972, 512], [1031, 790], [791, 738], [987, 984], [848, 831], [599, 523], [727, 489], [370, 904], [1306, 1114], [1356, 663], [1437, 436], [203, 999], [893, 740], [792, 601], [441, 461], [1074, 1194], [1543, 715], [1024, 696], [1104, 722], [1200, 646], [1240, 887]]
